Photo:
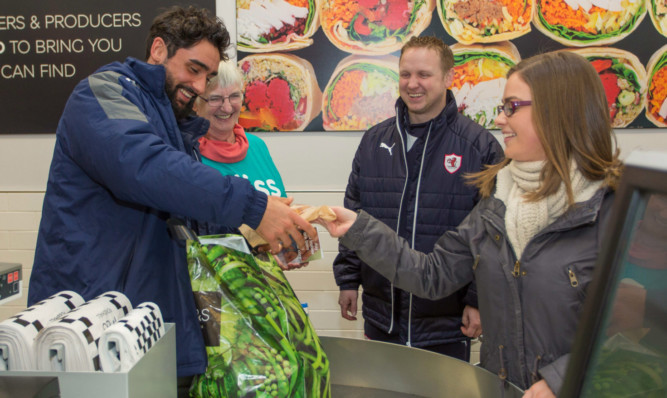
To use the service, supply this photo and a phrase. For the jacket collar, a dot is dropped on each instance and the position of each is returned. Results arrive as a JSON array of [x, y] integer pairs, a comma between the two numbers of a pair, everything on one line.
[[192, 128], [151, 77], [583, 213]]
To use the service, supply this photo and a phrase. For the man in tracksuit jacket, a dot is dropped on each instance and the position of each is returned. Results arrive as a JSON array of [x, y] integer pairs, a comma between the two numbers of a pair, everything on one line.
[[120, 170], [408, 172]]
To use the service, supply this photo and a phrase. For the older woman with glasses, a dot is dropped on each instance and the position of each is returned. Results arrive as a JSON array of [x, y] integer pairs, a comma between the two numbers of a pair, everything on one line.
[[226, 146], [532, 241]]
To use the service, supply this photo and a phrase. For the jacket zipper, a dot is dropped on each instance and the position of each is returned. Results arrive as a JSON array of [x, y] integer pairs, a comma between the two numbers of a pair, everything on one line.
[[476, 263], [574, 282], [502, 372], [534, 375], [414, 221], [400, 207]]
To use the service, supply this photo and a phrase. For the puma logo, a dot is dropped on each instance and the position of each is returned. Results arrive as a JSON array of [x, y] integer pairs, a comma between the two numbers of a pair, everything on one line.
[[387, 147]]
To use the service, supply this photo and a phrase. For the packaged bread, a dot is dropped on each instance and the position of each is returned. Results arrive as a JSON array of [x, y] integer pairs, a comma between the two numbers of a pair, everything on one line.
[[308, 213]]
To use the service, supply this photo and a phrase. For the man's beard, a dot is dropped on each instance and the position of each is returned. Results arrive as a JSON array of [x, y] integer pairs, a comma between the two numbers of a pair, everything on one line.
[[180, 111]]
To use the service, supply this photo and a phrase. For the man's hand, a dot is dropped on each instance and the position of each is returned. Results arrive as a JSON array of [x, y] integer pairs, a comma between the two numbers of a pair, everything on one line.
[[279, 225], [539, 390], [472, 325], [344, 220], [348, 304]]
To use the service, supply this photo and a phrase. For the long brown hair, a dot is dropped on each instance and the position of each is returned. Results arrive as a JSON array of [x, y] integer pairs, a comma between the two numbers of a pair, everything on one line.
[[571, 118]]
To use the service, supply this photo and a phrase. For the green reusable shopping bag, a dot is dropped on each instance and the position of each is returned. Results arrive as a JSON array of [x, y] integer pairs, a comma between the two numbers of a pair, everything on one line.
[[260, 342]]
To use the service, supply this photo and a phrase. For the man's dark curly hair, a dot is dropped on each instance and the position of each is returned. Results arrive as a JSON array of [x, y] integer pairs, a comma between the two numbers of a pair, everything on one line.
[[185, 27]]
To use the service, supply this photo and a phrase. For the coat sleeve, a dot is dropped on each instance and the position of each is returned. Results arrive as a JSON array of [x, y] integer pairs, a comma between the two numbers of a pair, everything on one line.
[[347, 265], [432, 276], [108, 132], [491, 153], [554, 373]]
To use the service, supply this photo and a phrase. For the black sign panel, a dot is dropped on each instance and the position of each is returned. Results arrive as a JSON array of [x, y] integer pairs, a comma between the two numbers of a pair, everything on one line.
[[47, 47]]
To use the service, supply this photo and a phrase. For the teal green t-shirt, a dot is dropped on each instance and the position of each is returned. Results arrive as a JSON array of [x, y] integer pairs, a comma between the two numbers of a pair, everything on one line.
[[257, 167]]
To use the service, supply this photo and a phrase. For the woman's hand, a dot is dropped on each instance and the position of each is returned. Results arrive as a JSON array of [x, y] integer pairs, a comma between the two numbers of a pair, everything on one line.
[[539, 390], [344, 220]]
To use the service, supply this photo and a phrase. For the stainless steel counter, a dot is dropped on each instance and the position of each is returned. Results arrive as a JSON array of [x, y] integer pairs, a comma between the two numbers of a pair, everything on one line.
[[370, 369]]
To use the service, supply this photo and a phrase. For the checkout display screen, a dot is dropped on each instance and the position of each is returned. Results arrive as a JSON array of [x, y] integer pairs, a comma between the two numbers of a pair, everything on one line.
[[630, 359]]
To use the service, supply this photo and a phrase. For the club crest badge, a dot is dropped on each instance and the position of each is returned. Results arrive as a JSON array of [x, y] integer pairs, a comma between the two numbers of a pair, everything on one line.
[[452, 163]]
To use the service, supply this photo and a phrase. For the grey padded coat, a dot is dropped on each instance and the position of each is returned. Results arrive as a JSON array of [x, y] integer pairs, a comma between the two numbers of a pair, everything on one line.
[[529, 307]]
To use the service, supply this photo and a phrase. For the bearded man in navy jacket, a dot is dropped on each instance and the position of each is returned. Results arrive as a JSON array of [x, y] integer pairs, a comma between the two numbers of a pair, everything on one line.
[[125, 161]]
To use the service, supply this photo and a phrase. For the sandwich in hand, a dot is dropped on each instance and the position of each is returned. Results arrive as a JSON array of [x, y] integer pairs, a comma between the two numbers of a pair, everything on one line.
[[624, 81], [485, 21], [479, 78], [580, 23], [656, 97], [657, 9], [374, 26], [290, 256], [361, 92], [280, 93], [275, 25]]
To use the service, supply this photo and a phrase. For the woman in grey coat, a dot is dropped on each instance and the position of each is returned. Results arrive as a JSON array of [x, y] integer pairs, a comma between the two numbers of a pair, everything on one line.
[[532, 241]]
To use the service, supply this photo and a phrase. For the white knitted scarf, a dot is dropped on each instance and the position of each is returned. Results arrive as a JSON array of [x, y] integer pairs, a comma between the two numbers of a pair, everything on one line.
[[523, 220]]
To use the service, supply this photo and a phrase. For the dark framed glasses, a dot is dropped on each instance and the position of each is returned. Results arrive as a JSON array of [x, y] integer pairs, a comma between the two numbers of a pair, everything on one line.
[[217, 100], [509, 107]]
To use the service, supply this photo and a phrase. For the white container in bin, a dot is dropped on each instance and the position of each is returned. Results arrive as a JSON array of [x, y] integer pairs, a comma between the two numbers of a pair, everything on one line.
[[153, 376]]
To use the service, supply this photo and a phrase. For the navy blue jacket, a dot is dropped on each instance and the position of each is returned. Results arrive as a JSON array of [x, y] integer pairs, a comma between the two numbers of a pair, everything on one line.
[[120, 169], [435, 200]]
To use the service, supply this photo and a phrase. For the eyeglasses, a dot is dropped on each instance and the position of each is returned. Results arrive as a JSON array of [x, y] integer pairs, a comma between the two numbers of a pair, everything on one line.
[[509, 107], [218, 100]]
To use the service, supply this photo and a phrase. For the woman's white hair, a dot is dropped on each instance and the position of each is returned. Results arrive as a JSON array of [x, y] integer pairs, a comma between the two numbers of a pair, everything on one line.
[[228, 75]]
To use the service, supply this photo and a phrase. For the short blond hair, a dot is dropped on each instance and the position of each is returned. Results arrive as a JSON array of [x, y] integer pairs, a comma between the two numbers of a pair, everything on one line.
[[433, 43]]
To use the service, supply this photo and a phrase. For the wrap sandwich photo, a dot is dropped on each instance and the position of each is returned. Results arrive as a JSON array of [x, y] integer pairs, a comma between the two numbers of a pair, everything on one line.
[[656, 96], [657, 10], [275, 25], [485, 21], [581, 23], [479, 78], [280, 93], [361, 92], [624, 81], [374, 27]]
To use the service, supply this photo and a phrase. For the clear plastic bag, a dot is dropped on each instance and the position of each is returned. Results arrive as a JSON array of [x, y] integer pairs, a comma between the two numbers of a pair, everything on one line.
[[260, 342]]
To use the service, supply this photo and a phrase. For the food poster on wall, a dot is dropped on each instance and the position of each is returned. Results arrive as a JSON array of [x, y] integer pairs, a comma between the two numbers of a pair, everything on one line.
[[47, 47], [332, 65]]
